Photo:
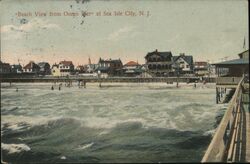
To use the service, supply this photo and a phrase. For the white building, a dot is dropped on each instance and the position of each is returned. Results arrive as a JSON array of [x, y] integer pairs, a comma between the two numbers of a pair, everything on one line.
[[66, 68]]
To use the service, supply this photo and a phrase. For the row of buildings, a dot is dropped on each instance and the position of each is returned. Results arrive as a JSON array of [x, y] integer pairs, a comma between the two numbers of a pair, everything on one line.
[[157, 64]]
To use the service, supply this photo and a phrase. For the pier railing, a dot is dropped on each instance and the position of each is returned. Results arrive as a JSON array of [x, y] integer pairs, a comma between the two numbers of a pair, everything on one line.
[[223, 146], [228, 80]]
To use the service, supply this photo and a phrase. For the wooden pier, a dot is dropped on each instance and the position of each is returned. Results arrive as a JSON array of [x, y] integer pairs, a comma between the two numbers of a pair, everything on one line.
[[231, 142]]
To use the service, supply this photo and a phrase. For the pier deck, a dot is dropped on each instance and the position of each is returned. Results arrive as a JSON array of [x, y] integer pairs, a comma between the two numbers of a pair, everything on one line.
[[231, 142], [247, 116], [247, 159]]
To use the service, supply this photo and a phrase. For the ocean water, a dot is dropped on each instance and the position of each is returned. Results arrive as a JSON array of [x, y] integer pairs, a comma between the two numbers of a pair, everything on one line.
[[115, 123]]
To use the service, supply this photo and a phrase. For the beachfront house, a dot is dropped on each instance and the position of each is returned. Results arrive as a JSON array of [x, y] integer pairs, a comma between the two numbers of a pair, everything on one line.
[[31, 67], [80, 69], [16, 68], [4, 68], [183, 64], [66, 68], [201, 68], [159, 63], [132, 69], [55, 71], [44, 68], [109, 67]]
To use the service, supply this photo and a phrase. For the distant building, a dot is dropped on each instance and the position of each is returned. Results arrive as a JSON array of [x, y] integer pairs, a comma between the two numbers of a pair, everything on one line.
[[90, 68], [66, 68], [81, 69], [16, 68], [201, 68], [5, 68], [159, 63], [31, 67], [183, 64], [235, 67], [55, 71], [132, 68], [110, 67], [144, 73], [211, 70], [44, 68]]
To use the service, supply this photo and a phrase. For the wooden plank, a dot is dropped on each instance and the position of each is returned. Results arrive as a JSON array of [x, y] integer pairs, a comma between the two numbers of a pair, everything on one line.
[[246, 107]]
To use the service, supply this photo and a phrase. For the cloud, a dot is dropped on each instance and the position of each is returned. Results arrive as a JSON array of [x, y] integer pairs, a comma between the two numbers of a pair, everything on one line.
[[123, 32], [16, 32]]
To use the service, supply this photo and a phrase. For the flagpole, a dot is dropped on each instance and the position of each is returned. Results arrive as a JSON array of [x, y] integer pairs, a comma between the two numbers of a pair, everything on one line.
[[244, 43]]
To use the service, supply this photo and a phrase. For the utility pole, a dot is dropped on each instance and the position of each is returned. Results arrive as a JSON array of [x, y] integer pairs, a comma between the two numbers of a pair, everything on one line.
[[178, 70]]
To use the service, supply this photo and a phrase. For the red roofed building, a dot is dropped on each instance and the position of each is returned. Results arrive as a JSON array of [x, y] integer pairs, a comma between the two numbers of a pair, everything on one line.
[[66, 68], [31, 67], [132, 68]]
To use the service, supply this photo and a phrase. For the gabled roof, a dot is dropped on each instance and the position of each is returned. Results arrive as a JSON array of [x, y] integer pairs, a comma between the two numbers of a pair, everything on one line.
[[132, 63], [31, 65], [244, 52], [187, 58], [55, 65], [66, 63], [162, 54], [234, 62], [42, 64]]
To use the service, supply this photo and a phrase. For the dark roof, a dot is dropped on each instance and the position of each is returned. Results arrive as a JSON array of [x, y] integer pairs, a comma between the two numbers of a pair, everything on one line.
[[233, 62], [42, 64], [55, 65], [102, 68], [187, 58], [110, 60], [163, 54], [31, 65], [4, 64], [240, 54]]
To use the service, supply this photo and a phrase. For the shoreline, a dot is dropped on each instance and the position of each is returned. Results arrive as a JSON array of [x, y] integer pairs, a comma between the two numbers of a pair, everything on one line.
[[114, 84]]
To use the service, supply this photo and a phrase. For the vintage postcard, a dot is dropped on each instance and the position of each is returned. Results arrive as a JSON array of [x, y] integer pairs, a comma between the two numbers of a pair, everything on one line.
[[124, 81]]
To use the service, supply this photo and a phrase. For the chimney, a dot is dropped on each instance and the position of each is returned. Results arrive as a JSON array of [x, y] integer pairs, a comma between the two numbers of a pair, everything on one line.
[[182, 54], [156, 50]]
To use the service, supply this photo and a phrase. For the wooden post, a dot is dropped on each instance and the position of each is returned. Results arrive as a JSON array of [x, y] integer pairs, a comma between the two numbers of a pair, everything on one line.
[[217, 96]]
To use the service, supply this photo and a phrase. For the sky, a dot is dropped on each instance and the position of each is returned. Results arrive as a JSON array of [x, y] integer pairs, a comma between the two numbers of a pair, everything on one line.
[[209, 30]]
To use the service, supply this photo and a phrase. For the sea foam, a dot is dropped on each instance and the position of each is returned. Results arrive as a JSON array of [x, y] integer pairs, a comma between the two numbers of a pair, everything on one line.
[[15, 148]]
